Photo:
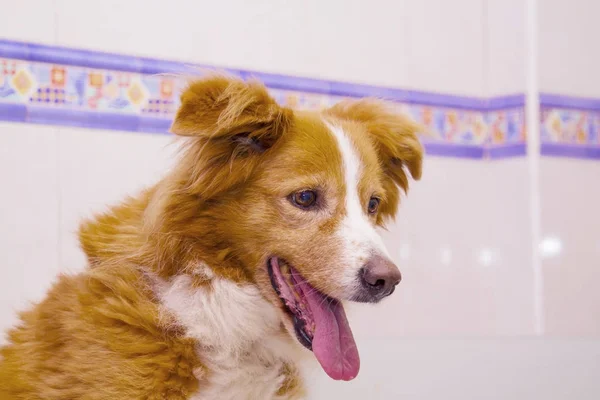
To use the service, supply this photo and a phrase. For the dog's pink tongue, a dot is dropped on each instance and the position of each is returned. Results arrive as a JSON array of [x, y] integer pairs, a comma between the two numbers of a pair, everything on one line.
[[333, 343]]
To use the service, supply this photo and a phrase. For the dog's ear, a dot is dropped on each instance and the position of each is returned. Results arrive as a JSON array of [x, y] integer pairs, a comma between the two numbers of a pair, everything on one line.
[[395, 138], [230, 123]]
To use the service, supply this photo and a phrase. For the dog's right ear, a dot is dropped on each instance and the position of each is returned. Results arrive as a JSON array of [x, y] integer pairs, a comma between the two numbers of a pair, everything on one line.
[[230, 124], [395, 137]]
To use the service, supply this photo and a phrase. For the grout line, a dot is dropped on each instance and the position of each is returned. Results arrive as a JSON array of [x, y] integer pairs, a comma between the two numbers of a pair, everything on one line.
[[532, 106], [59, 221], [55, 20], [59, 255], [485, 33], [485, 73], [406, 31]]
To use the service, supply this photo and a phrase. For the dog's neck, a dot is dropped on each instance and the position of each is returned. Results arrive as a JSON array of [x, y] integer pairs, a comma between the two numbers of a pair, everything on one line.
[[219, 313], [241, 343]]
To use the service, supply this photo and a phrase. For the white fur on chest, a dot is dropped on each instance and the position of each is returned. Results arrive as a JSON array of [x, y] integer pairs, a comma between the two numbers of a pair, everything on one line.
[[239, 336]]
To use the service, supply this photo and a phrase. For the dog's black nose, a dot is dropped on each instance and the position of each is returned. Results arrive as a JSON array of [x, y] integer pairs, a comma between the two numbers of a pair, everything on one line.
[[379, 277]]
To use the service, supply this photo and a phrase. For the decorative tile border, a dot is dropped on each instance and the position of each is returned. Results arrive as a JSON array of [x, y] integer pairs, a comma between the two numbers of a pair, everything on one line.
[[570, 127], [61, 86]]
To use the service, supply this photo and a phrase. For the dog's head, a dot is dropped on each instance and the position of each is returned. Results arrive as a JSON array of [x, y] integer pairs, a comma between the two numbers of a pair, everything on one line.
[[295, 198]]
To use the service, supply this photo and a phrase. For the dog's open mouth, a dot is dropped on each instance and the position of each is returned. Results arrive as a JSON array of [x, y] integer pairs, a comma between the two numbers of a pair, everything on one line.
[[319, 321]]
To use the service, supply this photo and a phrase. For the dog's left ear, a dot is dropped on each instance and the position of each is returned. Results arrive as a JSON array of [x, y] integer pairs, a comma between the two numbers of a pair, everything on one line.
[[395, 138], [230, 123]]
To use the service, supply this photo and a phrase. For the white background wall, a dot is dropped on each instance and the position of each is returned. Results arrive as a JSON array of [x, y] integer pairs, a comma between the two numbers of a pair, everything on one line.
[[569, 63], [462, 323], [568, 50]]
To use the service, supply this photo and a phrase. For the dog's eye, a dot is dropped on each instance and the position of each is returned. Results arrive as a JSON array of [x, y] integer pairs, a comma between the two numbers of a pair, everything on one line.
[[373, 205], [304, 199]]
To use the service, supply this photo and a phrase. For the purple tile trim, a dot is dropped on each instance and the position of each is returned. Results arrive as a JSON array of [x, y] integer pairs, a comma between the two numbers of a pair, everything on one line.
[[572, 151], [506, 102], [83, 58], [85, 119], [507, 150], [289, 82], [560, 101], [454, 150], [445, 100], [154, 125], [355, 90], [13, 112], [152, 66], [16, 50]]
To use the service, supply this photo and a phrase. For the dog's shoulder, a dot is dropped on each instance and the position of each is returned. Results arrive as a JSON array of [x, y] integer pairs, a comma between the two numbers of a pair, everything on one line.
[[98, 335]]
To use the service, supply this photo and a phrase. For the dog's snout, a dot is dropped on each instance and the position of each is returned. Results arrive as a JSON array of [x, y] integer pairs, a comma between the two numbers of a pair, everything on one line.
[[379, 277]]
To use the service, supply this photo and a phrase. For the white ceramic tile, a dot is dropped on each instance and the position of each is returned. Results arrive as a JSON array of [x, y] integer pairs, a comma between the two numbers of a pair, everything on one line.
[[28, 20], [354, 41], [344, 40], [446, 46], [462, 243], [571, 246], [140, 27], [493, 369], [505, 34], [100, 168], [28, 215], [568, 51]]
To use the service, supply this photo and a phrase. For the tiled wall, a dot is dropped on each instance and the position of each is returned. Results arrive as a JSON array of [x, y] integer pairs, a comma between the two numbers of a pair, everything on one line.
[[569, 190]]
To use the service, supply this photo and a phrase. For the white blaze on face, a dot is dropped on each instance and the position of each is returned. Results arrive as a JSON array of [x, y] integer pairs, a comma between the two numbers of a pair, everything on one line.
[[358, 234]]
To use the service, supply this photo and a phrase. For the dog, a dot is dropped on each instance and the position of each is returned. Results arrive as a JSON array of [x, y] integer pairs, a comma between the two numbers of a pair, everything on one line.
[[219, 280]]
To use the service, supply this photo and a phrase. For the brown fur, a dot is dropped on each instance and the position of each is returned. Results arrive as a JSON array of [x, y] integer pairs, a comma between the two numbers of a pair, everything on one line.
[[98, 334], [395, 141]]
